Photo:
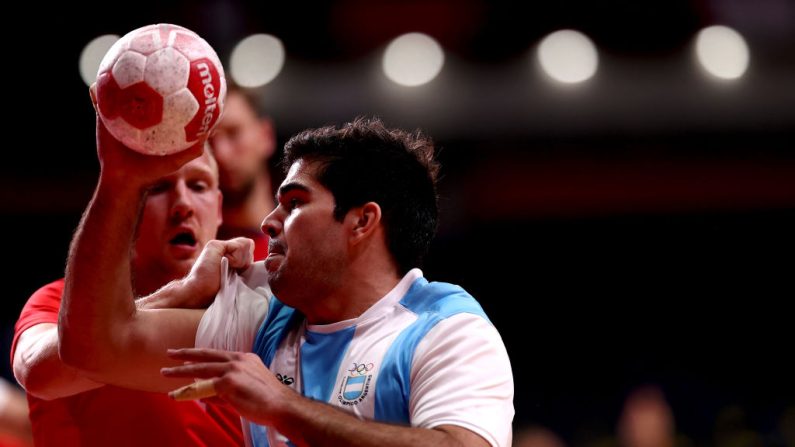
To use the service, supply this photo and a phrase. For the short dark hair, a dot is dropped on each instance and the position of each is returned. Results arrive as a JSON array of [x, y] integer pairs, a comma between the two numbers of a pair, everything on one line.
[[364, 161]]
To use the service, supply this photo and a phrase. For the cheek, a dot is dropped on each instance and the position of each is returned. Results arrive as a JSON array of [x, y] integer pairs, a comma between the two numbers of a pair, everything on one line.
[[208, 208], [293, 235], [207, 202]]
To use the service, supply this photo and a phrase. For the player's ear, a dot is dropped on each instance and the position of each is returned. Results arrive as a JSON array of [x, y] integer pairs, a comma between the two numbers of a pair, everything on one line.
[[364, 220]]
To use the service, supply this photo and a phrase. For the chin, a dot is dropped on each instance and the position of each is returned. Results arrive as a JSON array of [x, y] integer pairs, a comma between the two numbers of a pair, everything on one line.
[[274, 280], [278, 284]]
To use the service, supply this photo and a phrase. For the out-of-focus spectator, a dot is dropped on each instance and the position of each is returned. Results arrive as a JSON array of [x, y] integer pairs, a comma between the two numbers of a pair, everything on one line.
[[731, 429], [14, 422], [537, 436], [646, 420]]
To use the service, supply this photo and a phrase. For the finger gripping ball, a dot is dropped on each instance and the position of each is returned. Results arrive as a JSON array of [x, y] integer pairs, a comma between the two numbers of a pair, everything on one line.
[[160, 89]]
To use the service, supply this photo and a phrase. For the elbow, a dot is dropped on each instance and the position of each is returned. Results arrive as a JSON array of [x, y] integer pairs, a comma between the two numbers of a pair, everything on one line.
[[35, 379], [22, 374], [36, 384]]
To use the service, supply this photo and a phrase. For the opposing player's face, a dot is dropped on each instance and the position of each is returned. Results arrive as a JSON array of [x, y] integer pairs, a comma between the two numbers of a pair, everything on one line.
[[181, 214], [241, 143], [307, 245]]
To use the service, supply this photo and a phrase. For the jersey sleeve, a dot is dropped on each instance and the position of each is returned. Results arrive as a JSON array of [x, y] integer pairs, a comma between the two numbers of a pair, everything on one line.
[[240, 307], [461, 375], [41, 307]]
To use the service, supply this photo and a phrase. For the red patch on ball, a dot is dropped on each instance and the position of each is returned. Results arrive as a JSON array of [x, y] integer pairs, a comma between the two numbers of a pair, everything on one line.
[[160, 89]]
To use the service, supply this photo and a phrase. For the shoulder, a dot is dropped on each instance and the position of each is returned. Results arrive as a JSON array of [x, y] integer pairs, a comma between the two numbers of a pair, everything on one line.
[[51, 292], [42, 306], [440, 300]]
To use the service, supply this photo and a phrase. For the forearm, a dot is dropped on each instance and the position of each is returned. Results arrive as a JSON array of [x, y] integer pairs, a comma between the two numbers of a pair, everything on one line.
[[98, 299], [102, 333], [178, 294], [155, 301], [306, 422]]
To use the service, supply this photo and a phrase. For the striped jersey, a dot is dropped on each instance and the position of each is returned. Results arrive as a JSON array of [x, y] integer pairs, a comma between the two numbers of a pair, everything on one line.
[[424, 355]]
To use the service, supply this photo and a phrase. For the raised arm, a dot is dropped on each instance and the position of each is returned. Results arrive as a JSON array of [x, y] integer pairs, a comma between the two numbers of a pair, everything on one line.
[[101, 331]]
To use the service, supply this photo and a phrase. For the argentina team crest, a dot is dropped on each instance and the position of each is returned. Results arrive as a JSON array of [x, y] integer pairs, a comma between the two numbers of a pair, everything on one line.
[[356, 385]]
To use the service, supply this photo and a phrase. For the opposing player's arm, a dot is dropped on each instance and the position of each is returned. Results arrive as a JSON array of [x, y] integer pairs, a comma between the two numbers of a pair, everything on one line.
[[128, 349], [101, 331], [38, 368]]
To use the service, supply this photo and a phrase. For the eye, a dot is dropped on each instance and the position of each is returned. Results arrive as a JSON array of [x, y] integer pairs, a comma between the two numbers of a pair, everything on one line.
[[293, 203], [159, 187], [199, 185]]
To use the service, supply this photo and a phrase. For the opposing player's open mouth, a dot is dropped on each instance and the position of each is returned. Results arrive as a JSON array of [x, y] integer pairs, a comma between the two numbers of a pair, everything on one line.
[[185, 238]]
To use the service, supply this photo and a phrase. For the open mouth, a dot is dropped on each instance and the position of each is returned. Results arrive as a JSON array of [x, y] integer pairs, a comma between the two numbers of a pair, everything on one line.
[[184, 238], [275, 248]]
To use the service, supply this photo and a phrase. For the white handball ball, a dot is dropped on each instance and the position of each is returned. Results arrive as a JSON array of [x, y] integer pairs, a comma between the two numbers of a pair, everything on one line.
[[160, 89]]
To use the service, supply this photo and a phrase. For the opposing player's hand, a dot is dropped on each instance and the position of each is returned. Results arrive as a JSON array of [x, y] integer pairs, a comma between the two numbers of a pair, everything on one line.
[[239, 378], [121, 164], [205, 276]]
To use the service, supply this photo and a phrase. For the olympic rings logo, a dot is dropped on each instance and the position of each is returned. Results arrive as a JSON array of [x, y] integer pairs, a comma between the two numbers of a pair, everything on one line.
[[360, 369]]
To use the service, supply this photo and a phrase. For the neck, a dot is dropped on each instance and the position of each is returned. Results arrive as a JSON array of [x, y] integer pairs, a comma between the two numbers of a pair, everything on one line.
[[250, 211], [364, 284]]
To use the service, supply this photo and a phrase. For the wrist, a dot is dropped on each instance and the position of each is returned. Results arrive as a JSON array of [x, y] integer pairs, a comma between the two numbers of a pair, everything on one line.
[[192, 291], [150, 302], [120, 182]]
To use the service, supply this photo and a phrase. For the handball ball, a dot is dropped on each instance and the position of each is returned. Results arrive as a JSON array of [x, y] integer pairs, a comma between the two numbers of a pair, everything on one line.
[[160, 89]]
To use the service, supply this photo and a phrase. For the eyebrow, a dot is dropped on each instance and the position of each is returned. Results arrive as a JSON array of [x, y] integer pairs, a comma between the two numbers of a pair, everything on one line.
[[200, 170], [286, 188]]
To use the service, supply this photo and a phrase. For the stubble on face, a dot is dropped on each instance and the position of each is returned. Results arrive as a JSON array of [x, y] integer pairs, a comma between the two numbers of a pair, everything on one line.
[[312, 243]]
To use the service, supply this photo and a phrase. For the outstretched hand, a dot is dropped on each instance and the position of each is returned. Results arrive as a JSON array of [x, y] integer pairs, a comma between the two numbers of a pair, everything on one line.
[[119, 163]]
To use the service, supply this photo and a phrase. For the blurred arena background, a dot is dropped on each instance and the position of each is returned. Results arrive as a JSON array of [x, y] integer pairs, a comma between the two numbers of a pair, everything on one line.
[[631, 231]]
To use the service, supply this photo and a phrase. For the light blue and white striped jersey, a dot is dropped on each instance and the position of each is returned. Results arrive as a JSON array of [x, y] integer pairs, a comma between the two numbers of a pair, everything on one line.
[[424, 355]]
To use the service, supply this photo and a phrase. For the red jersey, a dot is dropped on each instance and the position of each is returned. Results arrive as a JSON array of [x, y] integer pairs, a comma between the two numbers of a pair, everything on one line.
[[118, 416]]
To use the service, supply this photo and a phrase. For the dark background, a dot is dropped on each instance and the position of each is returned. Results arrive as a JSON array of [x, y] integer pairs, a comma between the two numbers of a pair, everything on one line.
[[634, 230]]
